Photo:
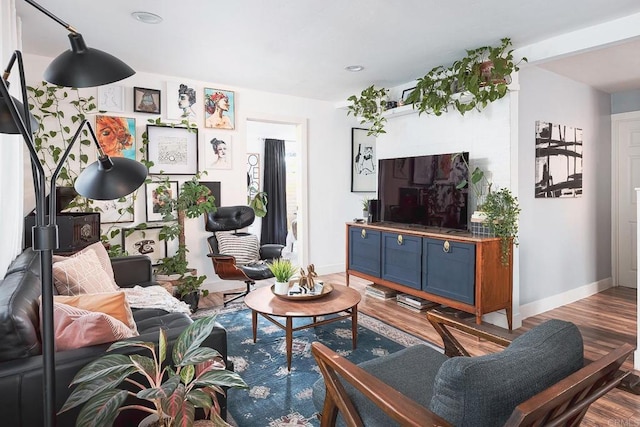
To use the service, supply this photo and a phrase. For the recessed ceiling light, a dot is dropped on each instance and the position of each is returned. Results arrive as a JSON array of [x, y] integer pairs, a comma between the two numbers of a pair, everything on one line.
[[354, 68], [147, 17]]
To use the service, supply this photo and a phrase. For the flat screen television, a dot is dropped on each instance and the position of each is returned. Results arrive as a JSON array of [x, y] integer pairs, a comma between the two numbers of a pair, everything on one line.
[[422, 190]]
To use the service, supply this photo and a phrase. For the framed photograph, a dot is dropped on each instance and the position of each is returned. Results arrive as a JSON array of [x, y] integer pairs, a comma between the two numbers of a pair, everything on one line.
[[173, 151], [146, 100], [111, 98], [181, 101], [144, 242], [215, 151], [114, 211], [154, 202], [214, 187], [117, 136], [219, 109], [364, 165], [405, 94]]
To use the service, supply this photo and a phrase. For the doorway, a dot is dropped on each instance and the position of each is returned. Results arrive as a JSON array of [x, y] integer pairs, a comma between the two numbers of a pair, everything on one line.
[[293, 132]]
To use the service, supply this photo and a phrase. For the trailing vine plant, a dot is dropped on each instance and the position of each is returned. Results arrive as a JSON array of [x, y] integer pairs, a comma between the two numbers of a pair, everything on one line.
[[502, 210], [368, 107], [50, 105]]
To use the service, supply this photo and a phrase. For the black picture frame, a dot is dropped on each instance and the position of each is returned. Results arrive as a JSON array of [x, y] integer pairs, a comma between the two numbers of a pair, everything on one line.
[[149, 200], [138, 241], [405, 94], [214, 187], [146, 100], [364, 164]]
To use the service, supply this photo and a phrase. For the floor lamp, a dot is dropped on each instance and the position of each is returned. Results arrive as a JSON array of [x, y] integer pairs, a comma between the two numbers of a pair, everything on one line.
[[106, 179]]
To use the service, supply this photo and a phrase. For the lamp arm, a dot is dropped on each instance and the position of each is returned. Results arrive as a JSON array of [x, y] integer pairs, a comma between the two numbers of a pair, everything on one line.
[[51, 15]]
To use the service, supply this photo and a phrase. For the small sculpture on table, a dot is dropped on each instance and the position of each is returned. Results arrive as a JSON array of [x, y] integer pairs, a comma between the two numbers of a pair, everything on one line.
[[307, 283]]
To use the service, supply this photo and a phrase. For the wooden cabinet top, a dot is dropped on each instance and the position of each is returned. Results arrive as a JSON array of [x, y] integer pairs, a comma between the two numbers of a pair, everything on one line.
[[423, 231]]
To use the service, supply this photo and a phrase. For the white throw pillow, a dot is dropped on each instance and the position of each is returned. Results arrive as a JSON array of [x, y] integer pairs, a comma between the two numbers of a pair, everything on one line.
[[243, 247], [82, 274], [103, 256]]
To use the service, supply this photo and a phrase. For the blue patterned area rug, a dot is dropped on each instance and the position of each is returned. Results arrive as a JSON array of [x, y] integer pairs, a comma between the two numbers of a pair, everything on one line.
[[277, 397]]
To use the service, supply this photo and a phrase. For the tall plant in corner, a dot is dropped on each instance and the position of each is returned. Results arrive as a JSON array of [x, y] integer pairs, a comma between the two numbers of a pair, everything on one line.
[[192, 201]]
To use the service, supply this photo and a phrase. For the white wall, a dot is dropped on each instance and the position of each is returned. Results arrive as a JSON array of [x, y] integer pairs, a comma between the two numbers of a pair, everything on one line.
[[328, 166], [565, 243]]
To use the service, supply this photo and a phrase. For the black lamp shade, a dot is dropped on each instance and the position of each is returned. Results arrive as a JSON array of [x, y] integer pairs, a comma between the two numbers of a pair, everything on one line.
[[83, 66], [7, 125], [110, 178]]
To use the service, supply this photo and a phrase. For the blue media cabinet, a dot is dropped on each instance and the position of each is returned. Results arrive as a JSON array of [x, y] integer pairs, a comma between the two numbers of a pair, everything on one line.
[[453, 269]]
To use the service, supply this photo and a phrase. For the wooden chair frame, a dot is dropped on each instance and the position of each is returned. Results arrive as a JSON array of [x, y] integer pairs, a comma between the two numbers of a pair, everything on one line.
[[565, 403]]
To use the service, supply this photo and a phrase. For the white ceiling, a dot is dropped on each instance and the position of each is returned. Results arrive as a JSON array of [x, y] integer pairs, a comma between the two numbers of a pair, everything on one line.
[[300, 47]]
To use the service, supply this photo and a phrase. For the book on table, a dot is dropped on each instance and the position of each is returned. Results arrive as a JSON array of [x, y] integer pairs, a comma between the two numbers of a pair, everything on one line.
[[411, 307], [414, 301]]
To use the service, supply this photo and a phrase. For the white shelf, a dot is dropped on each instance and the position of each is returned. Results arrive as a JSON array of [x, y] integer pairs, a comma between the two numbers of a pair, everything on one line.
[[399, 111]]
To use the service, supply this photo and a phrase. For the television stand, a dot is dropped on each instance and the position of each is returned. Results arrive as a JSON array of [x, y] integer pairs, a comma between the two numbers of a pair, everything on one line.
[[454, 269]]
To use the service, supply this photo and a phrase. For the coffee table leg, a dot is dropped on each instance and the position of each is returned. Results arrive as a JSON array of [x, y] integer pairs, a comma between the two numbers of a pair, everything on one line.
[[254, 324], [289, 340], [354, 325]]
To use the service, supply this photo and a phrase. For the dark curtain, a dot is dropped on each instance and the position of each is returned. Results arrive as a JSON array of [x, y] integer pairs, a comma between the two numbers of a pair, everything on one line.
[[274, 224]]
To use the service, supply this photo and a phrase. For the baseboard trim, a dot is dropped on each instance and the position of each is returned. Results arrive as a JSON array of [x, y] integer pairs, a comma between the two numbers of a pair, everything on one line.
[[555, 301]]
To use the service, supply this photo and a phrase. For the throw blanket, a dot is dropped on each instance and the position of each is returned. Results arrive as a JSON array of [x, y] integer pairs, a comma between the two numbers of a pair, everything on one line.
[[155, 297]]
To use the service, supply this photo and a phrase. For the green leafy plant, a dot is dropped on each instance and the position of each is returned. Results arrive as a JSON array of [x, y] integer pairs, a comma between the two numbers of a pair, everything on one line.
[[191, 381], [282, 269], [502, 210], [477, 181], [472, 82], [259, 203], [368, 107], [365, 204], [59, 111]]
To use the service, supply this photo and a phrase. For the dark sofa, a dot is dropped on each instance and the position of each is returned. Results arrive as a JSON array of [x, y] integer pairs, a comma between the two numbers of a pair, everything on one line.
[[20, 350]]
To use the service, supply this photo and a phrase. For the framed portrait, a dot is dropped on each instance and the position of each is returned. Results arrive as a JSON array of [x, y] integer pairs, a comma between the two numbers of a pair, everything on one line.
[[114, 211], [173, 151], [144, 242], [219, 109], [153, 201], [405, 94], [111, 98], [214, 187], [117, 136], [182, 101], [215, 151], [146, 100], [364, 165]]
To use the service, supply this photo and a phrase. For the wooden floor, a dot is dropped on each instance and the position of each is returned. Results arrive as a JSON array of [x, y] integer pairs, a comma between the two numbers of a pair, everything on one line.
[[605, 320]]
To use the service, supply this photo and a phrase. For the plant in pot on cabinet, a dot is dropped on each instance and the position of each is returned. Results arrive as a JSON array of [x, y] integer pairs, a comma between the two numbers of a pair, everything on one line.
[[193, 200], [502, 211], [191, 381], [365, 207], [283, 270]]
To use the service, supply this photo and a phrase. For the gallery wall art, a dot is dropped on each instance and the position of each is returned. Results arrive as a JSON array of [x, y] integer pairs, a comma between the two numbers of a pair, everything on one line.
[[182, 101], [117, 136], [172, 150], [219, 109], [558, 160], [364, 175], [215, 151]]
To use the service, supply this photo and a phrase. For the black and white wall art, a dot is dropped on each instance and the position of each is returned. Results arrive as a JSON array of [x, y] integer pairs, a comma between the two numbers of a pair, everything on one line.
[[558, 160], [364, 164]]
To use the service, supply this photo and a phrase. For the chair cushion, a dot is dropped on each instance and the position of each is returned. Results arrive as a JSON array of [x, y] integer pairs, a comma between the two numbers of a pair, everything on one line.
[[484, 390], [244, 247], [82, 274], [410, 371]]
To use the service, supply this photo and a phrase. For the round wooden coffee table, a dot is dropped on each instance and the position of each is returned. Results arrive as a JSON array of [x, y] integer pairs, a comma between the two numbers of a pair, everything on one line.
[[341, 299]]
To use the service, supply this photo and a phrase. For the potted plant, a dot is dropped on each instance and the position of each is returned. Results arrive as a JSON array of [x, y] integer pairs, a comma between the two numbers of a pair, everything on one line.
[[283, 270], [477, 183], [193, 200], [365, 207], [368, 108], [259, 203], [502, 211], [192, 380]]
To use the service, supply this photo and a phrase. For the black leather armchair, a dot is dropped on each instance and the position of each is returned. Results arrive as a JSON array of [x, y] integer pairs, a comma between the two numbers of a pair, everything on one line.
[[234, 218]]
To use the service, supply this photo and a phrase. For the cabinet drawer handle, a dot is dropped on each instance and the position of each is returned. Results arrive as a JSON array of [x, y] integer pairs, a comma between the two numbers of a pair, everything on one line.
[[363, 233], [446, 247], [399, 239]]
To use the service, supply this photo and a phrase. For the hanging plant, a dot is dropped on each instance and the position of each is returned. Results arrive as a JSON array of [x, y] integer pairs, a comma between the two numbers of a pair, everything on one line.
[[368, 107]]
